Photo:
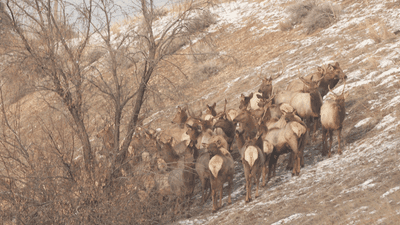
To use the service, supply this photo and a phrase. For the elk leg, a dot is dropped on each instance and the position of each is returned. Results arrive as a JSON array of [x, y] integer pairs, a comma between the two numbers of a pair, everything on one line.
[[271, 166], [214, 199], [340, 149], [314, 129], [264, 170], [230, 185], [220, 196], [258, 174], [250, 179], [290, 162], [324, 141], [330, 142], [264, 175]]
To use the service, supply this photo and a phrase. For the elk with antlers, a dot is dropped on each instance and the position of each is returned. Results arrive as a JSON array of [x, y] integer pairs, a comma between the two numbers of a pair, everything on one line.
[[331, 74]]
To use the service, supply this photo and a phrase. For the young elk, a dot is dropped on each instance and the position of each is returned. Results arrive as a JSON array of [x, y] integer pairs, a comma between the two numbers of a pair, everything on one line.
[[253, 163], [221, 166], [276, 140], [266, 88], [333, 113]]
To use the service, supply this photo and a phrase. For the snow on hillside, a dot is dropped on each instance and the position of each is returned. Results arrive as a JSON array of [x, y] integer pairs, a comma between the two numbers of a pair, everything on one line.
[[352, 188]]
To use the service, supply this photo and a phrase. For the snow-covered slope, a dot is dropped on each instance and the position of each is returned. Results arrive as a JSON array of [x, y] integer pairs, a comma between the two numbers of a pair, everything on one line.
[[362, 185]]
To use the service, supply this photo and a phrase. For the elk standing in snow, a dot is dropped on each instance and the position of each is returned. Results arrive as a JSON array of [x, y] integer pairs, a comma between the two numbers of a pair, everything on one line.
[[221, 166], [333, 113]]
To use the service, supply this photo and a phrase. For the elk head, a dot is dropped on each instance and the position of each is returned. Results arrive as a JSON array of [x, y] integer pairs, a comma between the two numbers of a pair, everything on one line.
[[180, 117], [244, 101], [211, 109]]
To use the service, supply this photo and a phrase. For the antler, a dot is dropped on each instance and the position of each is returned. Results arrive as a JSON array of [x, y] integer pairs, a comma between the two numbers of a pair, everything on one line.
[[329, 87], [344, 86], [283, 67]]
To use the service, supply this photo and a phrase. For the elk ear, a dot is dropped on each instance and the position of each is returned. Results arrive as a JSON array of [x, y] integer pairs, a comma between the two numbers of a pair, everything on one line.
[[215, 104], [251, 95], [320, 69], [179, 109], [259, 96], [337, 64], [330, 67]]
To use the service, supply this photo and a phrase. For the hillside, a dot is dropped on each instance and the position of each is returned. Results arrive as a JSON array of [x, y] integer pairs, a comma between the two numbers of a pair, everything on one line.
[[358, 187], [245, 42]]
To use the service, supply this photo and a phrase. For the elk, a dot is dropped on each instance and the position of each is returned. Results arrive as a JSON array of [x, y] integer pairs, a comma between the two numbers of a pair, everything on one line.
[[248, 124], [253, 161], [210, 112], [333, 113], [107, 135], [266, 88], [275, 140], [204, 173], [221, 166], [167, 153], [180, 117], [331, 74], [182, 179], [225, 128], [307, 105]]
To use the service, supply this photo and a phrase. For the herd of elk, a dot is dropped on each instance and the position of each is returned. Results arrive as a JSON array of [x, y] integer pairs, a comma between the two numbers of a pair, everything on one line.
[[265, 126]]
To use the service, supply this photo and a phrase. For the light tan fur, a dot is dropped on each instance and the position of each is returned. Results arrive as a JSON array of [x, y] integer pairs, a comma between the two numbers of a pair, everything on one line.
[[329, 110], [298, 129], [267, 147], [208, 117], [232, 114], [254, 102], [215, 165], [251, 155], [224, 151], [285, 107], [220, 141]]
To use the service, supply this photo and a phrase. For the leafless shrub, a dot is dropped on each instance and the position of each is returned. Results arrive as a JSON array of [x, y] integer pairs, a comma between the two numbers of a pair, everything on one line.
[[203, 20], [285, 25], [202, 51], [207, 69], [321, 17], [299, 11]]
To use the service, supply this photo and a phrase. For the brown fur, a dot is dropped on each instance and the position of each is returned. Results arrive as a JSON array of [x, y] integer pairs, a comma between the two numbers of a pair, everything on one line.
[[204, 174], [244, 101], [253, 161], [248, 123], [228, 127], [182, 179], [180, 117], [332, 117], [225, 174]]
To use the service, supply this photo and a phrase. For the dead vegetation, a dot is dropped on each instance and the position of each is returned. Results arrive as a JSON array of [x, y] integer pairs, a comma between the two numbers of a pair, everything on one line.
[[311, 15]]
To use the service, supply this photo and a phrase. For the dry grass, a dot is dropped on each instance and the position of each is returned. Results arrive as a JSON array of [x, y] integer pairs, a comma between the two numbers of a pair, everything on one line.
[[285, 25], [311, 15], [378, 31]]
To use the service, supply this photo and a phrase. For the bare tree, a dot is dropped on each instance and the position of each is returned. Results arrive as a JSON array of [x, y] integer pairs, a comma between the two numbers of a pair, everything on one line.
[[66, 54]]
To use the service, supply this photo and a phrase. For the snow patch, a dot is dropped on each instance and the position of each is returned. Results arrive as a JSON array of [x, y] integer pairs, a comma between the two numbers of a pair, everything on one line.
[[362, 122], [390, 191]]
